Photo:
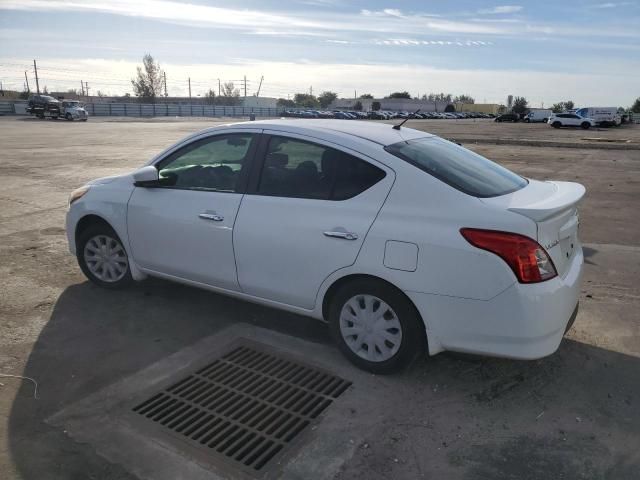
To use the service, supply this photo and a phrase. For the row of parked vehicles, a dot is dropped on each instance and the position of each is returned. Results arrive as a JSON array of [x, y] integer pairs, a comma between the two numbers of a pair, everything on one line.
[[382, 115], [585, 118]]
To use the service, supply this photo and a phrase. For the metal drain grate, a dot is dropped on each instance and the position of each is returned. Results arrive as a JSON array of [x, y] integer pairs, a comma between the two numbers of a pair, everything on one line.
[[245, 407]]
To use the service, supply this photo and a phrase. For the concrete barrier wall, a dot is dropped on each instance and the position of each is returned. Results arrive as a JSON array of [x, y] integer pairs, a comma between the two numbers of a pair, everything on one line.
[[156, 110]]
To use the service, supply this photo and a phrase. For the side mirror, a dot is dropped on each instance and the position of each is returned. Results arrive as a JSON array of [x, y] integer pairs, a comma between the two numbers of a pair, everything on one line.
[[146, 176]]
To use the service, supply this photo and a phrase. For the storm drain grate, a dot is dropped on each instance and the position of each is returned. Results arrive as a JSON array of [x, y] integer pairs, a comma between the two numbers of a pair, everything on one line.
[[246, 406]]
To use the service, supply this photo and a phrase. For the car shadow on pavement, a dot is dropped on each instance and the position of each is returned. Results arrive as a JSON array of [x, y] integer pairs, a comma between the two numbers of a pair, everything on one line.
[[466, 417]]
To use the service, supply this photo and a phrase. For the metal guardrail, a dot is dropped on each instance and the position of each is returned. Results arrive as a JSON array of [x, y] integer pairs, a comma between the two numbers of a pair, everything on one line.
[[160, 110]]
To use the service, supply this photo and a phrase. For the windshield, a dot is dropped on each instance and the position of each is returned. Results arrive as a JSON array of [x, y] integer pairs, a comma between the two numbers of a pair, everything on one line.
[[456, 166]]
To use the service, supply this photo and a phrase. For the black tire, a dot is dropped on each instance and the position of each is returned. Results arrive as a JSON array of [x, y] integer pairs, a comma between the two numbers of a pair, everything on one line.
[[413, 342], [556, 124], [84, 237], [68, 117], [527, 120], [585, 125], [545, 120], [84, 119]]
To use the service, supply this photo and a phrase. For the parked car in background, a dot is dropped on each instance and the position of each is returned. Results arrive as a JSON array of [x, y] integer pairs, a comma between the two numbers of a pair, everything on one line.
[[400, 240], [558, 120], [507, 117], [538, 115], [603, 116]]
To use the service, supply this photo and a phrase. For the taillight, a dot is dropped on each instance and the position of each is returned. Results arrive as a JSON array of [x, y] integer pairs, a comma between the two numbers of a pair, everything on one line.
[[528, 260]]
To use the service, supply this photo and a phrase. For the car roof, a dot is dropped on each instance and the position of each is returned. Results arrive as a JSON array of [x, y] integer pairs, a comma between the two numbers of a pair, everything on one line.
[[380, 133]]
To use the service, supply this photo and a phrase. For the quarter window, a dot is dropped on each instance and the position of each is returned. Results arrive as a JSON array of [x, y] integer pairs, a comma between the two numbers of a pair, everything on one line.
[[212, 164], [296, 168]]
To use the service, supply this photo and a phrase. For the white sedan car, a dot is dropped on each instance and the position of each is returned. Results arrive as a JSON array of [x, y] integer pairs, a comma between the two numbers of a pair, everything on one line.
[[402, 241], [558, 120]]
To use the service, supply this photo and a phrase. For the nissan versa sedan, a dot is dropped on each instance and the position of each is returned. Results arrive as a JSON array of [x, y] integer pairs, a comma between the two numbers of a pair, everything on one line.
[[401, 241]]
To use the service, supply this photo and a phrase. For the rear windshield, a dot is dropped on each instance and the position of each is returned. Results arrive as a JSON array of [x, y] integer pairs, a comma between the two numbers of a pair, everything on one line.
[[456, 166]]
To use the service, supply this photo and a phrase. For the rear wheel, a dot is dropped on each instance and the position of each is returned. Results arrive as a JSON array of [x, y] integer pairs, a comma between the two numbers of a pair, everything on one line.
[[68, 117], [556, 124], [102, 257], [376, 326], [585, 125]]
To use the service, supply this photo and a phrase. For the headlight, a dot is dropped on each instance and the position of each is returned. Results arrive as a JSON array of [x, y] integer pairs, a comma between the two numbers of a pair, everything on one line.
[[78, 194]]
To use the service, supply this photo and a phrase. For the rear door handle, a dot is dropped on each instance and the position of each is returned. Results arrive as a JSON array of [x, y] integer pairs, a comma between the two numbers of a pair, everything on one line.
[[211, 216], [339, 234]]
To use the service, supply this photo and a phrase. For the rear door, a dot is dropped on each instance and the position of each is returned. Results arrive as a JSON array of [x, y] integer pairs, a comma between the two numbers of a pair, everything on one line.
[[305, 215]]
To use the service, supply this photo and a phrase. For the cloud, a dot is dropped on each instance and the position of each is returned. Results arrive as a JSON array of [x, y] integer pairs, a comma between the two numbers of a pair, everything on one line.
[[379, 79], [502, 9]]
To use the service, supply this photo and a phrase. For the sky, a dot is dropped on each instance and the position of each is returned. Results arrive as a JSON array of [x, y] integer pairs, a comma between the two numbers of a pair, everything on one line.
[[548, 51]]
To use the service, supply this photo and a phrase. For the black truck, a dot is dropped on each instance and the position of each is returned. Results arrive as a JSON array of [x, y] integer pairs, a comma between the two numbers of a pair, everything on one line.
[[43, 106]]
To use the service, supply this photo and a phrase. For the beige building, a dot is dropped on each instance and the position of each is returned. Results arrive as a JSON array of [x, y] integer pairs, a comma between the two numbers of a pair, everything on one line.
[[492, 108]]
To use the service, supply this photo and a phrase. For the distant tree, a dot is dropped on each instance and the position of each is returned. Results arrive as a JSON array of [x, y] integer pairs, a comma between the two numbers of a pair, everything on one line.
[[284, 102], [635, 108], [45, 90], [562, 106], [366, 96], [438, 97], [148, 83], [404, 94], [375, 106], [210, 97], [358, 106], [306, 100], [464, 99], [520, 105], [100, 94], [229, 95], [74, 91], [326, 98], [24, 95]]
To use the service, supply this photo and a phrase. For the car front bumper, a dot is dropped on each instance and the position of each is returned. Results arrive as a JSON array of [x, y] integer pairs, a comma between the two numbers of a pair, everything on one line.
[[525, 321]]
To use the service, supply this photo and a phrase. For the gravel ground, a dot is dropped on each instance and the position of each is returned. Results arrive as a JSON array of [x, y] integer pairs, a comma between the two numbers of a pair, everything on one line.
[[574, 415]]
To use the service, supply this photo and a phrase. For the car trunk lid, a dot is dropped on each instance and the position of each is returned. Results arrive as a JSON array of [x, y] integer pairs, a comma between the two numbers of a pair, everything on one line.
[[553, 206]]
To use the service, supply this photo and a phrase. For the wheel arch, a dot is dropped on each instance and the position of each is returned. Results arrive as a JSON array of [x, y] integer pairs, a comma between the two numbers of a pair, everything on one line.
[[90, 220], [338, 283]]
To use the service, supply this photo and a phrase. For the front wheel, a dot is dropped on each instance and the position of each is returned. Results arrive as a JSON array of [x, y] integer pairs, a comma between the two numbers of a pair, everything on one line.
[[68, 117], [102, 257], [556, 124], [376, 326], [585, 125]]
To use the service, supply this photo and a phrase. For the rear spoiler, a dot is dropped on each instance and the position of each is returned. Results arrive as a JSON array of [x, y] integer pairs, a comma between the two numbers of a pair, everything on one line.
[[566, 196]]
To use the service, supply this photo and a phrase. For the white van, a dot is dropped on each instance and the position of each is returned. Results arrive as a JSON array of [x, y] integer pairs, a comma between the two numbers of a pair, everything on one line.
[[538, 115], [603, 116]]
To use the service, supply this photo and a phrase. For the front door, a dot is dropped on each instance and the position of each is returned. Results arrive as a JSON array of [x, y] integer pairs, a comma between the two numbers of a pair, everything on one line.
[[185, 229], [305, 217]]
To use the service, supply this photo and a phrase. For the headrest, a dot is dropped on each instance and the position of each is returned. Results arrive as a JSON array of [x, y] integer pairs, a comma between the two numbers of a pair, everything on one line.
[[276, 159]]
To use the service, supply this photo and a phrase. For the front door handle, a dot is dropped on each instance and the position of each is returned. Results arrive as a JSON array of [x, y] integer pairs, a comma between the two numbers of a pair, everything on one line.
[[211, 216], [340, 234]]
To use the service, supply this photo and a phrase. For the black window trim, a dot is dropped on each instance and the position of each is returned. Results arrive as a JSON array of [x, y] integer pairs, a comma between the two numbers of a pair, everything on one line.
[[261, 157], [244, 172]]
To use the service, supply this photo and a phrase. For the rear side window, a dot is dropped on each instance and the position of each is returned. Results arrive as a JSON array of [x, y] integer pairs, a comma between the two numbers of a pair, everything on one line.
[[300, 169], [456, 166]]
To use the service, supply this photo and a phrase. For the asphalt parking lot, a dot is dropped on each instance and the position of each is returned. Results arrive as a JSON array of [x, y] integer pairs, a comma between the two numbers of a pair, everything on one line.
[[573, 415]]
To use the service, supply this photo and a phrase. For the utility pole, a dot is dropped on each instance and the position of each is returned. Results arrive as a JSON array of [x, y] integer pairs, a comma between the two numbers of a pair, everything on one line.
[[311, 90], [245, 86], [82, 87], [189, 89], [164, 74], [35, 69], [86, 88], [355, 95], [260, 86], [219, 89], [26, 79]]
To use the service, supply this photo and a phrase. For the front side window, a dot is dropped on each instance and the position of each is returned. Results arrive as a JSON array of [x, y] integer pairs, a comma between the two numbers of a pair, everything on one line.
[[463, 169], [212, 164], [296, 168]]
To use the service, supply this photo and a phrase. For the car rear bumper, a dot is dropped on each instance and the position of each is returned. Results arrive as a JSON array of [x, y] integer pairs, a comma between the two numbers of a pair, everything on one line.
[[523, 322]]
